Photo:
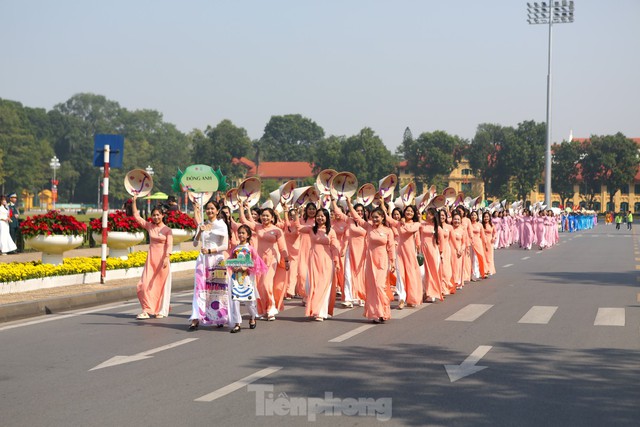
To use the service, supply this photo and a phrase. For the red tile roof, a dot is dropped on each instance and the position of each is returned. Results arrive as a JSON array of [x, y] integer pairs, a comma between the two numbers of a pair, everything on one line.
[[276, 170]]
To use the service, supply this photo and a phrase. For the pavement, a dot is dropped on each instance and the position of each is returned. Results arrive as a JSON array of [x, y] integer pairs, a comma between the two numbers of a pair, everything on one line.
[[21, 305]]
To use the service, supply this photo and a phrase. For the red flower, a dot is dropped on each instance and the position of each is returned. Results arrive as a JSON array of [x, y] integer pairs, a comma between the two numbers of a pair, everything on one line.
[[177, 219], [117, 221], [53, 222]]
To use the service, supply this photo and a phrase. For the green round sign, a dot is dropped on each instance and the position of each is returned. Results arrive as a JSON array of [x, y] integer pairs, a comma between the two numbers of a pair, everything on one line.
[[199, 179]]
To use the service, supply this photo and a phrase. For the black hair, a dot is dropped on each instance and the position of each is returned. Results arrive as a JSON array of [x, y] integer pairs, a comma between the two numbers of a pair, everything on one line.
[[327, 224], [484, 224], [247, 229], [382, 214], [306, 208], [416, 215], [436, 224], [396, 210], [220, 215], [365, 212], [273, 214]]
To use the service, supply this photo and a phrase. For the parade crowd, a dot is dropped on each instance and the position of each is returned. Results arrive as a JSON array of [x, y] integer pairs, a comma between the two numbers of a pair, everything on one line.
[[347, 255]]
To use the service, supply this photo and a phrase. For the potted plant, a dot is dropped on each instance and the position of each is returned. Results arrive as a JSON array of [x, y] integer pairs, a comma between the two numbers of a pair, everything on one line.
[[123, 233], [52, 234], [182, 226]]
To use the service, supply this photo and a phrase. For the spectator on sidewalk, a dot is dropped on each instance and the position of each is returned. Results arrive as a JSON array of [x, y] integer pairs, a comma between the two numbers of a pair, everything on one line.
[[14, 224], [7, 244], [172, 205]]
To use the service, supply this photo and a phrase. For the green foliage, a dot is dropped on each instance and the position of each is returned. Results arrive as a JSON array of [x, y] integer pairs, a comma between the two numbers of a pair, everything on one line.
[[564, 169], [289, 138], [610, 160], [363, 154], [431, 157]]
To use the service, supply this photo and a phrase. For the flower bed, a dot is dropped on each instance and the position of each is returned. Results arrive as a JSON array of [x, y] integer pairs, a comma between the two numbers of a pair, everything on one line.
[[117, 221], [180, 220], [53, 222], [17, 271]]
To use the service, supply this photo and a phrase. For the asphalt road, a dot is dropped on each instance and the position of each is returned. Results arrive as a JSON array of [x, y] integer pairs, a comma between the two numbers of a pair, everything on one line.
[[552, 339]]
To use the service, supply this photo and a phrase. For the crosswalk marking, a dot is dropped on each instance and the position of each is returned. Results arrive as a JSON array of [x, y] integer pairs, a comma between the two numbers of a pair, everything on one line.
[[525, 258], [470, 312], [610, 316], [539, 315]]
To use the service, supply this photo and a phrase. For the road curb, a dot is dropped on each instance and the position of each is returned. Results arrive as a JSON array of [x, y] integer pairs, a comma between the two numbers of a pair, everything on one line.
[[23, 310]]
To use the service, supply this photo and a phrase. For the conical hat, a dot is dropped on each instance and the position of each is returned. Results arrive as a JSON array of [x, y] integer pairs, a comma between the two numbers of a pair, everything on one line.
[[200, 198], [365, 194], [267, 204], [323, 181], [274, 198], [399, 203], [450, 194], [433, 192], [459, 199], [304, 195], [407, 194], [138, 182], [422, 201], [231, 199], [249, 191], [439, 201], [476, 202], [325, 201], [387, 185], [286, 191], [344, 185]]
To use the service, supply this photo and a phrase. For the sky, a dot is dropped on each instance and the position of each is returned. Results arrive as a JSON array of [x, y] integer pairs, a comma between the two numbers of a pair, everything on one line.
[[346, 64]]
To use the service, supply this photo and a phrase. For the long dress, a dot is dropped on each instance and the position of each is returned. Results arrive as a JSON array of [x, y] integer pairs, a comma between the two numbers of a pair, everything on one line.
[[303, 250], [432, 268], [489, 239], [527, 236], [466, 263], [478, 265], [271, 247], [448, 285], [323, 255], [456, 239], [354, 285], [154, 287], [6, 243], [292, 239], [379, 256], [407, 269], [210, 305]]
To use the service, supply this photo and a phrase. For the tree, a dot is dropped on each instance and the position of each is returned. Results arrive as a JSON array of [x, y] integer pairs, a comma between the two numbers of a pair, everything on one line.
[[433, 156], [219, 145], [327, 152], [289, 138], [564, 169], [524, 156], [366, 156], [610, 160], [23, 155], [485, 160]]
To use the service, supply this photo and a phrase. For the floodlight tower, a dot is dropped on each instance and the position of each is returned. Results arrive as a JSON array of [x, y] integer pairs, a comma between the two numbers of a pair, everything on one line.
[[555, 12]]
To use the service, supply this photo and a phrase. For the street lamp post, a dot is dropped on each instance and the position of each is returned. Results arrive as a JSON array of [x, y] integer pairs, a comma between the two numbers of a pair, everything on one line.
[[149, 170], [555, 12], [55, 165]]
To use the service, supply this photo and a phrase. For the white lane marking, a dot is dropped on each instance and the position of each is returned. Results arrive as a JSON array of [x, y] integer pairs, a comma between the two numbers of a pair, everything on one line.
[[527, 257], [507, 266], [539, 252], [468, 367], [119, 360], [401, 314], [221, 392], [608, 316], [352, 333], [470, 312], [539, 315], [52, 317]]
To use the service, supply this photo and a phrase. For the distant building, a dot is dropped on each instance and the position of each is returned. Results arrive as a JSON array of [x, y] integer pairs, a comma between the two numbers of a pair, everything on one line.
[[280, 172]]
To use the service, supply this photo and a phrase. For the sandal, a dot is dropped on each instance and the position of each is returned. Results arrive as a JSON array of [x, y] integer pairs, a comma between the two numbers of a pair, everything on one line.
[[252, 324], [193, 326], [236, 329], [160, 316], [142, 316]]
